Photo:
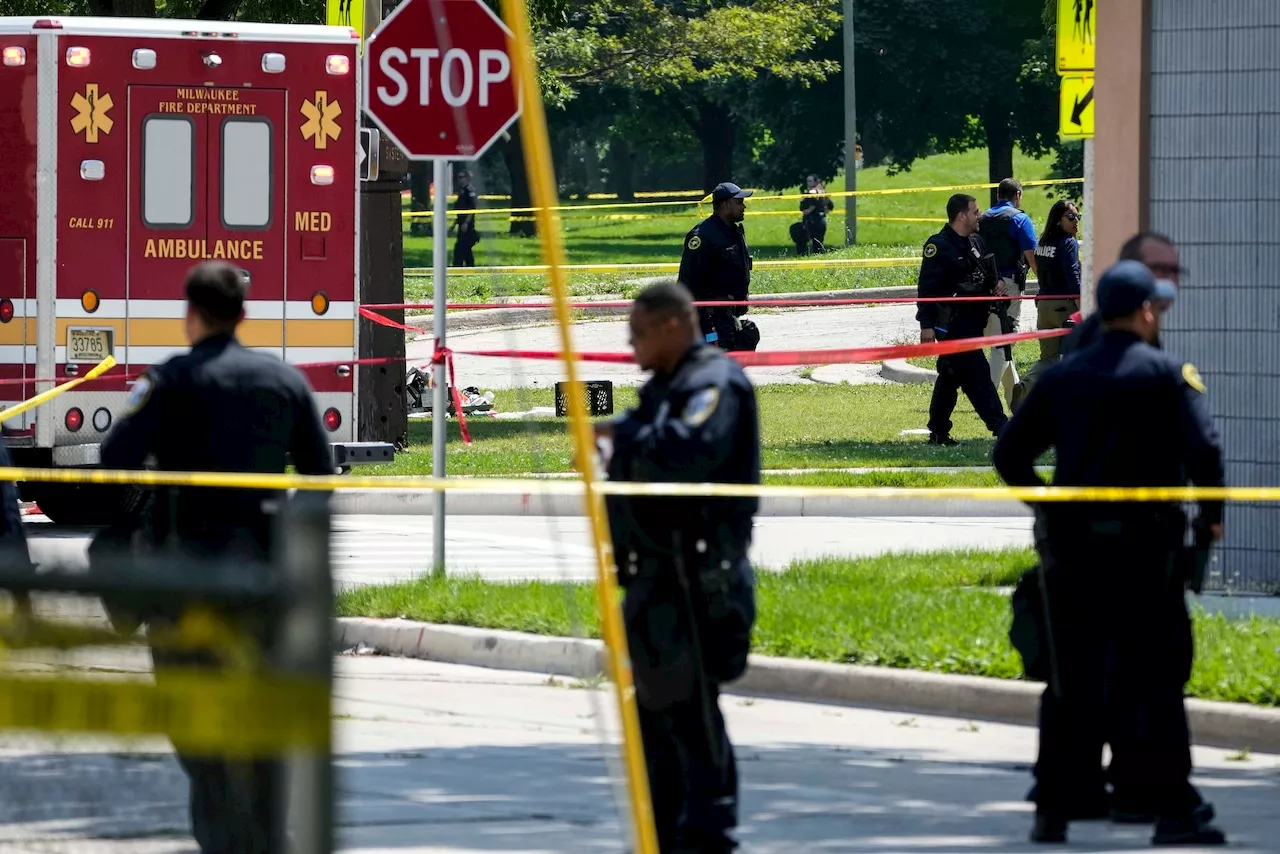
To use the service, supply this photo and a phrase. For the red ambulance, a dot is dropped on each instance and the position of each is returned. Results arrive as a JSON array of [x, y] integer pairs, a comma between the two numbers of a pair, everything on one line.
[[131, 149]]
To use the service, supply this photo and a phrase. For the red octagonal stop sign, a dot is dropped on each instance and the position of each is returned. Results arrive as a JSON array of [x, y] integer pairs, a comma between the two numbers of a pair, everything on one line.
[[439, 78]]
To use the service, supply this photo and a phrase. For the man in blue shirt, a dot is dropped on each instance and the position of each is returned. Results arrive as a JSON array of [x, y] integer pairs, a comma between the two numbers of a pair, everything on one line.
[[1011, 237]]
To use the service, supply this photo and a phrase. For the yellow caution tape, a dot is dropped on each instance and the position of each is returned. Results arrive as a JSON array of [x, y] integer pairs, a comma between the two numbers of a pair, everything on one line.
[[532, 486], [841, 194], [670, 266], [222, 715], [46, 396]]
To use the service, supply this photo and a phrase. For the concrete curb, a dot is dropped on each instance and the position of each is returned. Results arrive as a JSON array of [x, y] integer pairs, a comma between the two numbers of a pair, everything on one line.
[[1225, 725], [419, 502], [504, 318], [902, 371]]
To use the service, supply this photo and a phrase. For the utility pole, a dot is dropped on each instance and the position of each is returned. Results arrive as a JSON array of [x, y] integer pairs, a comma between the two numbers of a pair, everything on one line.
[[850, 132], [1088, 290], [383, 413]]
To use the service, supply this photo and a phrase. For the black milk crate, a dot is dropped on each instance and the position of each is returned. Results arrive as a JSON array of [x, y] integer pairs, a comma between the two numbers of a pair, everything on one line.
[[599, 398]]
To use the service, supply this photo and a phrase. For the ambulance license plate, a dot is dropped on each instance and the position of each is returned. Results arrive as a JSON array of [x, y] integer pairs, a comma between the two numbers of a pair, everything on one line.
[[89, 345]]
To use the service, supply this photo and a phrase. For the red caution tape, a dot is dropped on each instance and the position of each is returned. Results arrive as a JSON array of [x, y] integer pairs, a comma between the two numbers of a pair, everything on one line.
[[443, 355]]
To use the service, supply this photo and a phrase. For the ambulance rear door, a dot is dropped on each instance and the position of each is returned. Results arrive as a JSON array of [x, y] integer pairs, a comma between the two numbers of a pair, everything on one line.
[[209, 184]]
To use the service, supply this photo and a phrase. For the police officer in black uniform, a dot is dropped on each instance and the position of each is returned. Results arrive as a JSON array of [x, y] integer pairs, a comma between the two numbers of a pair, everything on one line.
[[1123, 804], [690, 590], [956, 263], [716, 265], [1119, 413], [465, 224], [220, 407]]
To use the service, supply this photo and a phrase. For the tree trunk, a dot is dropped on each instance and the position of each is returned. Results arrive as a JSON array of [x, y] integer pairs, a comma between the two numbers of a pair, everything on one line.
[[513, 156], [420, 197], [717, 133], [621, 169], [591, 166], [384, 413], [999, 147]]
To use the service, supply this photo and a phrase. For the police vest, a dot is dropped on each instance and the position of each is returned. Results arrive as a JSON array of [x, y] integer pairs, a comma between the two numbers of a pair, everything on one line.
[[997, 232], [1048, 269]]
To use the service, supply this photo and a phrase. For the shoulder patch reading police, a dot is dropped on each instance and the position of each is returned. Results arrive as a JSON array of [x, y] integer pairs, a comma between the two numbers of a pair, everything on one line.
[[138, 396], [930, 250], [1192, 376], [694, 242], [701, 406]]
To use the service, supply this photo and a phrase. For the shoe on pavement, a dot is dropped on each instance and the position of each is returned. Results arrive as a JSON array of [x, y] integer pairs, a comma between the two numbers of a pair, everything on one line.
[[1189, 829], [946, 440], [1049, 827]]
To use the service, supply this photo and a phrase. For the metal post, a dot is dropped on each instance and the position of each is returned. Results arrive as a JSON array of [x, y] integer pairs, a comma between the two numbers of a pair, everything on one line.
[[304, 647], [440, 400], [850, 131], [1087, 291]]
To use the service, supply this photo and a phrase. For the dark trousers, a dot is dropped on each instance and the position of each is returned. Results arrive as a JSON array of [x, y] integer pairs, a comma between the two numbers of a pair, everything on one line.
[[683, 648], [237, 807], [693, 778], [462, 254], [1123, 642], [815, 234], [967, 372]]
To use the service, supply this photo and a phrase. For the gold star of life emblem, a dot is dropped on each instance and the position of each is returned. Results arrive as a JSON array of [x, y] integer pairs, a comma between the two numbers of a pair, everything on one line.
[[321, 115], [91, 113]]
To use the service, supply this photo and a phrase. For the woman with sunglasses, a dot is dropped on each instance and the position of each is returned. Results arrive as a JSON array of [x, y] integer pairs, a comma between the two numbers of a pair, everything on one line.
[[1058, 271]]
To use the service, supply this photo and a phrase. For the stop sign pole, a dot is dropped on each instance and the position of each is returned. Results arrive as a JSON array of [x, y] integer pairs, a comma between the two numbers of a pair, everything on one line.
[[438, 81]]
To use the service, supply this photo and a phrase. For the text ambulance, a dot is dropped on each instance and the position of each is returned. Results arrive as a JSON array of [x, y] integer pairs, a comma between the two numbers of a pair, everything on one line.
[[132, 149]]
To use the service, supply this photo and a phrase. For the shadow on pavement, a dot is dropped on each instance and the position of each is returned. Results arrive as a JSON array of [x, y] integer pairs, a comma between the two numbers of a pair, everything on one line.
[[557, 797]]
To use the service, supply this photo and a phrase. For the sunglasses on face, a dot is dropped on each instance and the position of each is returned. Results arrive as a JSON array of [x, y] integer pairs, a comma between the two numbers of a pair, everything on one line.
[[1073, 217]]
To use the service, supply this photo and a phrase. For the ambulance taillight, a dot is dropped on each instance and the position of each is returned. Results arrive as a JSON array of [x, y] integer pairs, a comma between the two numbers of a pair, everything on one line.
[[15, 56], [332, 419]]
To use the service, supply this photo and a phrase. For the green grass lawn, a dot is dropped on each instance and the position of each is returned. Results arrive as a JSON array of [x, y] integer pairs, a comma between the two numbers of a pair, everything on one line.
[[809, 426], [857, 611], [658, 238]]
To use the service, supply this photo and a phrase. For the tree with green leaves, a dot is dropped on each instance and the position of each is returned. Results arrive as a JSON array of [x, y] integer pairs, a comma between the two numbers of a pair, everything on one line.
[[943, 76], [696, 56]]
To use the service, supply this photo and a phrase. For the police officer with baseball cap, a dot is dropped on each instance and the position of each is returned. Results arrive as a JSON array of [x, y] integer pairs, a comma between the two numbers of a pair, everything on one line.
[[716, 265], [1120, 413], [219, 407]]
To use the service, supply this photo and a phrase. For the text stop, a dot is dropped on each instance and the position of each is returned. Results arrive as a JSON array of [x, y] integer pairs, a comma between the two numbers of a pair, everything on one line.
[[456, 72]]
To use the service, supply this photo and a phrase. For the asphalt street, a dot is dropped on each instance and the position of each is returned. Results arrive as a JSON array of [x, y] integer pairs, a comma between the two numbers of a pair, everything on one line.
[[383, 549], [792, 329]]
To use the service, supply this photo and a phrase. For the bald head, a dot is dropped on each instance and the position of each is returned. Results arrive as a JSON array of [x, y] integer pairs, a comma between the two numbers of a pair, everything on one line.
[[664, 325]]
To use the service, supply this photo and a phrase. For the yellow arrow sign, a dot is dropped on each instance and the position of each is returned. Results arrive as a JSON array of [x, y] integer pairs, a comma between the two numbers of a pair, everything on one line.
[[1076, 32], [1075, 108]]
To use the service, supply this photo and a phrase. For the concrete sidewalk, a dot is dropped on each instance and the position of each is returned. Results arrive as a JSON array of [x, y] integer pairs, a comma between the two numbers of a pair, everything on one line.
[[454, 759]]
